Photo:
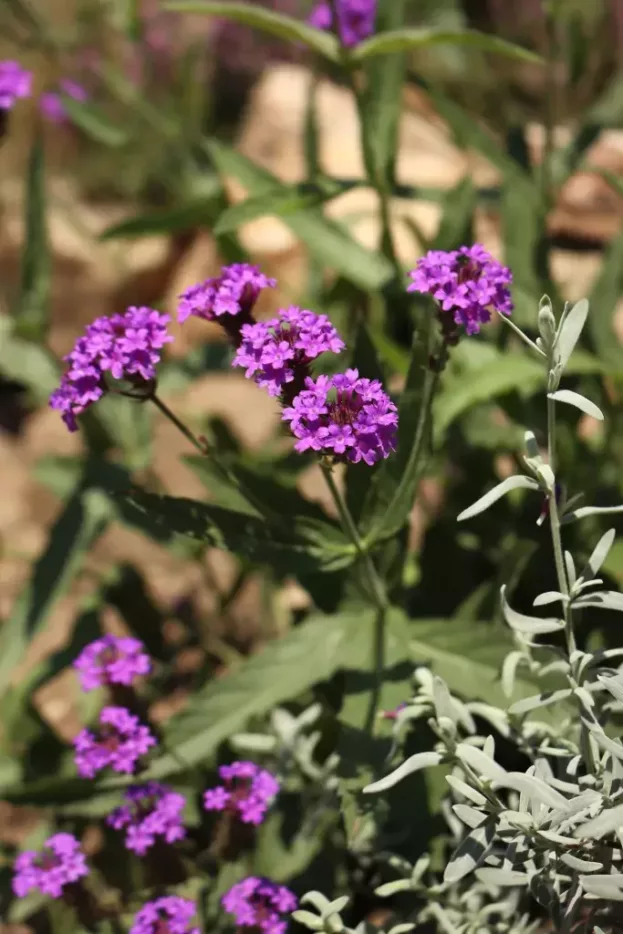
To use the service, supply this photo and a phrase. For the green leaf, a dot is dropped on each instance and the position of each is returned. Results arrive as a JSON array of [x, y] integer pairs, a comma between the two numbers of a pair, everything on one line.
[[300, 545], [603, 299], [523, 223], [81, 523], [31, 316], [185, 216], [310, 653], [327, 240], [27, 363], [382, 99], [407, 40], [277, 24], [88, 118], [280, 202]]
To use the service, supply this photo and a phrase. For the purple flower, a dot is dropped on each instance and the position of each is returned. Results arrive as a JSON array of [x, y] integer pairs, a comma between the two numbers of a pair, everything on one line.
[[169, 915], [234, 292], [274, 352], [119, 743], [468, 283], [127, 346], [60, 862], [344, 416], [152, 810], [51, 103], [260, 903], [247, 790], [356, 19], [112, 660], [15, 82]]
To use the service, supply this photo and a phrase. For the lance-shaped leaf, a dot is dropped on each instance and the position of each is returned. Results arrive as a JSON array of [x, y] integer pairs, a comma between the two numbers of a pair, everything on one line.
[[276, 24], [539, 700], [518, 482], [608, 821], [484, 765], [93, 123], [585, 511], [406, 40], [609, 887], [421, 760], [529, 625], [31, 315], [570, 331], [599, 555], [580, 402], [471, 853], [603, 599], [535, 788], [492, 876]]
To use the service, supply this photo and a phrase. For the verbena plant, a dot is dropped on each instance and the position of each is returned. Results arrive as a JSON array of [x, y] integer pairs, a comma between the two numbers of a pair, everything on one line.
[[186, 830]]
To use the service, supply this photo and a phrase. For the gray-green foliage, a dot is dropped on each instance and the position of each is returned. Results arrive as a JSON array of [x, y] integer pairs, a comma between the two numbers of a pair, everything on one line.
[[551, 827]]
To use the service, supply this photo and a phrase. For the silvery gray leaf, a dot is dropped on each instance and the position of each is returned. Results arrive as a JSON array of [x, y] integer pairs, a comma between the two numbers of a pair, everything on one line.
[[608, 745], [535, 788], [501, 489], [550, 596], [308, 920], [401, 928], [569, 332], [602, 599], [480, 762], [581, 865], [392, 888], [421, 760], [253, 742], [521, 818], [337, 905], [317, 899], [585, 511], [599, 555], [539, 700], [466, 790], [531, 625], [613, 685], [605, 823], [471, 853], [578, 401], [558, 838], [585, 698], [502, 877], [493, 715], [443, 919], [509, 671], [571, 571], [468, 815], [604, 886]]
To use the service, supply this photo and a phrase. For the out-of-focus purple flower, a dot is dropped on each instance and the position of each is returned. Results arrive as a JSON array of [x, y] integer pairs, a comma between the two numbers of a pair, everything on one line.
[[112, 660], [274, 352], [356, 19], [168, 915], [468, 283], [234, 292], [393, 713], [151, 810], [119, 743], [127, 346], [15, 82], [344, 416], [247, 791], [60, 862], [51, 103], [260, 903]]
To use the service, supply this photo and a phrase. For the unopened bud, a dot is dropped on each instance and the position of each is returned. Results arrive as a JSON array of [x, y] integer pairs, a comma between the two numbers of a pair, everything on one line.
[[547, 323]]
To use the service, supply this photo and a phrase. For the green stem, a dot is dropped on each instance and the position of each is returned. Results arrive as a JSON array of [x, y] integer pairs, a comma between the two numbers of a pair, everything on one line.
[[188, 434], [554, 520], [377, 586]]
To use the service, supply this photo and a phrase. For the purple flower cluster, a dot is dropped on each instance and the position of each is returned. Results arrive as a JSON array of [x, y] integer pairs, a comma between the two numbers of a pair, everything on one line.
[[151, 810], [356, 19], [468, 283], [51, 103], [247, 791], [345, 416], [60, 862], [15, 82], [273, 352], [119, 743], [126, 346], [259, 903], [234, 292], [112, 660], [168, 915]]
